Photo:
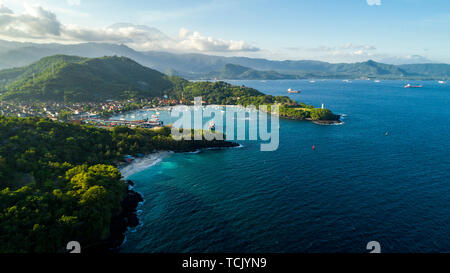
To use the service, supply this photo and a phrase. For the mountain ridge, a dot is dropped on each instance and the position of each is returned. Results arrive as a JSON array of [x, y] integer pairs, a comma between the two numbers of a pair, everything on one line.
[[199, 66]]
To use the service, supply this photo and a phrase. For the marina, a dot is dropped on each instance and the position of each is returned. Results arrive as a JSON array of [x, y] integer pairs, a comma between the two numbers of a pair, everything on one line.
[[144, 124]]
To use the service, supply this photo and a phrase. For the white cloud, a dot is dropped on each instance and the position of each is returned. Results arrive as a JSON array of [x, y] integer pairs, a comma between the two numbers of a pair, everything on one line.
[[346, 48], [350, 53], [408, 59], [38, 24], [147, 38], [5, 10], [358, 47], [74, 2], [374, 2], [338, 53], [195, 41]]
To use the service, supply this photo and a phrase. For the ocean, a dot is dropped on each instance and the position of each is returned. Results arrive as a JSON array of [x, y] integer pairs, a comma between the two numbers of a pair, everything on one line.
[[359, 185]]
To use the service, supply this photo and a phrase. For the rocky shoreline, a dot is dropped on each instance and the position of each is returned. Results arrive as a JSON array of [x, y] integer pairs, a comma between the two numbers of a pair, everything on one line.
[[327, 122], [121, 223], [320, 122], [128, 217], [213, 144]]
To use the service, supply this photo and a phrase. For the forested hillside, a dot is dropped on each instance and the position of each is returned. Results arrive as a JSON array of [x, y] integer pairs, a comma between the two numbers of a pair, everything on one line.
[[59, 182], [74, 79]]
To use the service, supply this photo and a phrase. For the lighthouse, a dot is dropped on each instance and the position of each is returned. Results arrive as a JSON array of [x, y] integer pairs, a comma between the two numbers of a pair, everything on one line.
[[323, 106]]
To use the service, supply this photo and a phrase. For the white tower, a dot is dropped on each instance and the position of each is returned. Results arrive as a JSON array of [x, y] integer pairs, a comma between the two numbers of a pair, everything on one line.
[[323, 106]]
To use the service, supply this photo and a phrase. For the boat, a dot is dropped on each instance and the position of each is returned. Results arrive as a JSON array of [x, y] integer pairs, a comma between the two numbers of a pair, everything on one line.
[[376, 80], [347, 81], [293, 91], [158, 113], [151, 124], [413, 86], [212, 126], [441, 82], [128, 158], [312, 81]]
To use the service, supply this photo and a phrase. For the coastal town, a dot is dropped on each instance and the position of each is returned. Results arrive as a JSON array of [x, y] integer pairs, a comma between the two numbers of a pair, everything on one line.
[[94, 113]]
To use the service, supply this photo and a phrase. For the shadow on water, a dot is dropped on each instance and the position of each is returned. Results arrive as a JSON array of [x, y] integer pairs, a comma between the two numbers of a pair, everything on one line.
[[193, 216]]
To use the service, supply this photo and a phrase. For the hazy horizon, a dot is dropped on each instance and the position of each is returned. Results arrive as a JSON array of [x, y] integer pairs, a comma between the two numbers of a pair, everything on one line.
[[216, 55], [400, 32]]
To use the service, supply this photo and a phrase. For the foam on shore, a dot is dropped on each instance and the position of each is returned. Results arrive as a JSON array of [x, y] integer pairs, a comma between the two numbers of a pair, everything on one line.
[[141, 164]]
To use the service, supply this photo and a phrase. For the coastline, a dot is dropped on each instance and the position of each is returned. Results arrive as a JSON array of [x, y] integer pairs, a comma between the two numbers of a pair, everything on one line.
[[120, 223], [328, 122], [338, 121], [128, 217]]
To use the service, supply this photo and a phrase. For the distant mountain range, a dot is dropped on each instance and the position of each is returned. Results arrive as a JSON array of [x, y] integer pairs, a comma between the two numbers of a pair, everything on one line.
[[238, 72], [200, 66]]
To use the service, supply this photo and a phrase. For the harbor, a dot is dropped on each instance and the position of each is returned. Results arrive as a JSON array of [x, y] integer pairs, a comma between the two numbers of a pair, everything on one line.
[[111, 123]]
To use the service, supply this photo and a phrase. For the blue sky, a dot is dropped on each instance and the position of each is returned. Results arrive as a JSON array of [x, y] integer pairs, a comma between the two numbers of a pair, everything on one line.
[[396, 31]]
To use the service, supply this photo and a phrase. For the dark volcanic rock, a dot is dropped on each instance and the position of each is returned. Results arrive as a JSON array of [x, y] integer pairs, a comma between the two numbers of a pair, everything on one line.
[[130, 183], [131, 201], [133, 220], [120, 223]]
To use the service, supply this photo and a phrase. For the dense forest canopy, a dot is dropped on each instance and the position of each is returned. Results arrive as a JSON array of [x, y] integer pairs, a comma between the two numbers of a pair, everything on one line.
[[58, 181]]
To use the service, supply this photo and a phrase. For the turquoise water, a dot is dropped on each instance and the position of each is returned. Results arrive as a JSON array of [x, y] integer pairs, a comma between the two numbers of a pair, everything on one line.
[[358, 186]]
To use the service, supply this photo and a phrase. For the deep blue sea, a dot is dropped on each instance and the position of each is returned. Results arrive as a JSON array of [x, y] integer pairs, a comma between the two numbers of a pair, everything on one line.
[[359, 185]]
